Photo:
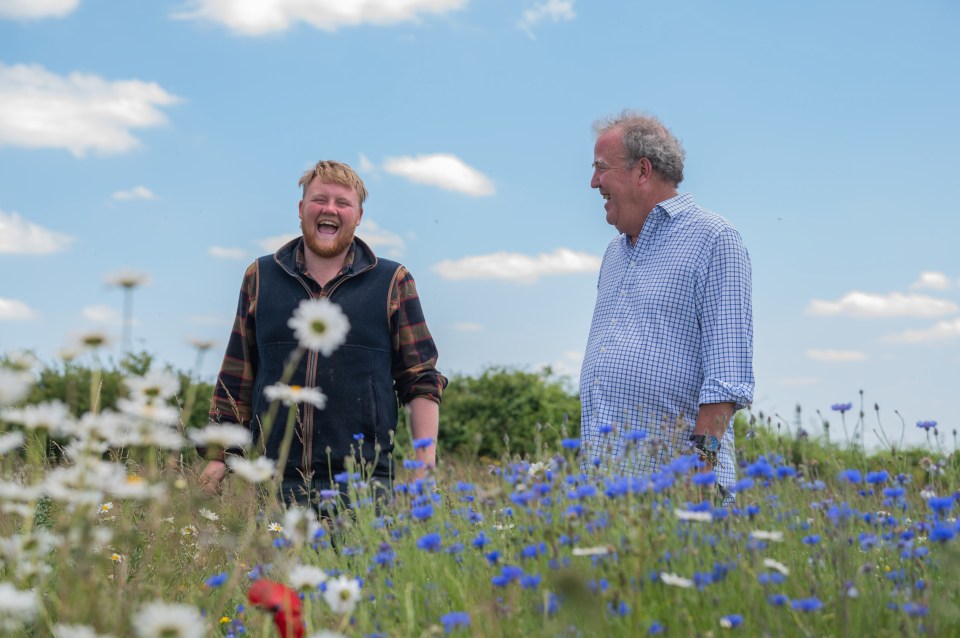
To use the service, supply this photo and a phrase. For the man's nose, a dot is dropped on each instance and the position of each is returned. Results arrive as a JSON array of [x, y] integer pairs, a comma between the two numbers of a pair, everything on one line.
[[595, 180]]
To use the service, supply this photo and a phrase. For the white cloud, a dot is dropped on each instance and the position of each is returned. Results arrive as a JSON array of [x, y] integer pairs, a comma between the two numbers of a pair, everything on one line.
[[933, 280], [568, 365], [941, 331], [442, 170], [553, 10], [272, 244], [20, 237], [259, 17], [80, 112], [365, 165], [381, 240], [467, 326], [221, 252], [13, 309], [102, 314], [32, 9], [836, 355], [895, 304], [517, 267], [137, 192]]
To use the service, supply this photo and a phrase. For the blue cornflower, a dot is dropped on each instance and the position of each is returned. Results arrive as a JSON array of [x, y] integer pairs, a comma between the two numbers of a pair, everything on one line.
[[841, 407], [878, 477], [940, 504], [743, 485], [813, 539], [481, 541], [894, 492], [760, 469], [419, 444], [358, 438], [635, 435], [777, 600], [492, 556], [532, 551], [914, 609], [422, 513], [786, 471], [216, 580], [942, 532], [732, 621], [705, 478], [622, 609], [851, 476], [511, 572], [530, 581], [430, 542], [412, 464], [454, 620], [464, 487], [656, 628], [605, 429], [926, 425], [570, 444], [806, 604]]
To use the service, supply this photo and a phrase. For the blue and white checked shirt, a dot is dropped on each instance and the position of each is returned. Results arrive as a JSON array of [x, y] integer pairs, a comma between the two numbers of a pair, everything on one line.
[[672, 329]]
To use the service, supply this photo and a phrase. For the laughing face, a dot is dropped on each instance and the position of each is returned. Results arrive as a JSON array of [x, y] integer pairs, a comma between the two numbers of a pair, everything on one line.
[[618, 184], [329, 214]]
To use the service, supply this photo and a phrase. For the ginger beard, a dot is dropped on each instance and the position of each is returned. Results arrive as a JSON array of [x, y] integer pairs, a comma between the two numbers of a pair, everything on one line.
[[324, 240]]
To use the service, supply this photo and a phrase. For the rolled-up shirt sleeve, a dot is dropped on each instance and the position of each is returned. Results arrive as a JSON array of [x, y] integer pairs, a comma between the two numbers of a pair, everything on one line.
[[414, 352], [726, 323]]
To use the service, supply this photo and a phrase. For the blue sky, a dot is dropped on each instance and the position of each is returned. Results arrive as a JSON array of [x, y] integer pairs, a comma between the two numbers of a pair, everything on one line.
[[166, 138]]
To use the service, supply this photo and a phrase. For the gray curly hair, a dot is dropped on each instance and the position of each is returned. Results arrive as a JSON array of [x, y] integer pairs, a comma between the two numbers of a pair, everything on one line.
[[646, 136]]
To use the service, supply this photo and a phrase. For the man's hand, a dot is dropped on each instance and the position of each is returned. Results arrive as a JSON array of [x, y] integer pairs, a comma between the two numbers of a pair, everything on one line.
[[211, 479]]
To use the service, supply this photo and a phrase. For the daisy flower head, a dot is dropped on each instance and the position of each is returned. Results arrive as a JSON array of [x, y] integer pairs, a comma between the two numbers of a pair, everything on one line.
[[14, 385], [156, 385], [275, 527], [168, 620], [17, 607], [293, 394], [676, 581], [259, 470], [300, 525], [306, 577], [10, 441], [319, 325], [342, 594], [93, 340], [77, 631], [207, 514], [127, 278], [223, 436]]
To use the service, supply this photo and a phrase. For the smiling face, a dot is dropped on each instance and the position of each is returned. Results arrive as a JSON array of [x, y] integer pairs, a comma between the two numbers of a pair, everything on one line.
[[620, 186], [329, 215]]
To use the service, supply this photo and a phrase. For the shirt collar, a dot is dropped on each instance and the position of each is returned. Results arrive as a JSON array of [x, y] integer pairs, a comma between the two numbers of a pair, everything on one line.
[[347, 262], [676, 205]]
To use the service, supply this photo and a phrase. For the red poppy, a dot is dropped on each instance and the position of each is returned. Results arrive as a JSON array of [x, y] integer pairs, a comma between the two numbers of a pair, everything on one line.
[[282, 602]]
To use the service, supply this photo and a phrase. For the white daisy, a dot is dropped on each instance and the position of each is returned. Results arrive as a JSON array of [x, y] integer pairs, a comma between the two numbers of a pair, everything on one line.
[[77, 631], [676, 581], [10, 441], [762, 535], [51, 416], [14, 385], [224, 436], [300, 525], [207, 514], [256, 471], [319, 325], [127, 278], [151, 411], [304, 577], [777, 565], [342, 594], [168, 620], [155, 385], [601, 550], [92, 340], [292, 394], [16, 607], [687, 515]]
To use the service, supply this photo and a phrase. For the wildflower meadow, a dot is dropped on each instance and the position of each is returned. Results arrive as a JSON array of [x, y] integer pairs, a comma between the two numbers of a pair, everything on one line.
[[105, 532]]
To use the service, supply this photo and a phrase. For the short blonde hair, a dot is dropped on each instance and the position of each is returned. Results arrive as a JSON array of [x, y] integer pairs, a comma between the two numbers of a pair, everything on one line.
[[334, 172]]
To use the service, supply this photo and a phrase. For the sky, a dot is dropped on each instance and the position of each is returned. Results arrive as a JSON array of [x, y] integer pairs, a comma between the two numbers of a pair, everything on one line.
[[163, 141]]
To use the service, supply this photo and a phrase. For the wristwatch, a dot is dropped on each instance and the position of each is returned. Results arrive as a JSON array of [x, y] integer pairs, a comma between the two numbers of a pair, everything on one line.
[[708, 446]]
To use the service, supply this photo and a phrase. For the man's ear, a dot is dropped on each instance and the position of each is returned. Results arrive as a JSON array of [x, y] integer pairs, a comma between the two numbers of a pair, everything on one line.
[[300, 209], [360, 216]]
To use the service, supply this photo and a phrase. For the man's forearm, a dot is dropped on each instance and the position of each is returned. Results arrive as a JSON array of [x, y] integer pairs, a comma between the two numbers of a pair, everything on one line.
[[713, 418], [425, 423]]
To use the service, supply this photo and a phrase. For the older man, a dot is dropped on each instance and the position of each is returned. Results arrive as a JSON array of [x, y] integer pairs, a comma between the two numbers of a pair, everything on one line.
[[669, 358]]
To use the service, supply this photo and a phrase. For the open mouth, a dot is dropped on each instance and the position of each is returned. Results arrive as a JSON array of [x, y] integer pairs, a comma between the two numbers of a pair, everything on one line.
[[327, 227]]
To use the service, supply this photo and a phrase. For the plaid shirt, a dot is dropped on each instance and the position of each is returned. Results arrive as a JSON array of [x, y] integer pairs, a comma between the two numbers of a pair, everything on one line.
[[672, 329], [414, 352]]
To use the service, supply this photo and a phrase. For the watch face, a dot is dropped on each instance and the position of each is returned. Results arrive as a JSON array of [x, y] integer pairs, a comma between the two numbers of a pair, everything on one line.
[[711, 443]]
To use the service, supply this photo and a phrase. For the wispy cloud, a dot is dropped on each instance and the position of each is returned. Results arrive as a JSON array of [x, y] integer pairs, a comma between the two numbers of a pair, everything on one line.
[[517, 267], [442, 170], [467, 326], [835, 356], [79, 112], [364, 165], [14, 309], [21, 237], [895, 304], [932, 280], [221, 252], [137, 192], [101, 314], [381, 239], [941, 331], [568, 365], [261, 17], [35, 9], [553, 10], [272, 244]]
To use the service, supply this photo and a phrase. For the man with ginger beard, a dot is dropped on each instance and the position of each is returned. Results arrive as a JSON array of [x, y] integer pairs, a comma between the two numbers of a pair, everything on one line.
[[389, 356], [669, 358]]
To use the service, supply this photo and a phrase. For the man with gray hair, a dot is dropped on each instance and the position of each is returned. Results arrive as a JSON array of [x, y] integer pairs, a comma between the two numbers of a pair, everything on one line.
[[669, 358]]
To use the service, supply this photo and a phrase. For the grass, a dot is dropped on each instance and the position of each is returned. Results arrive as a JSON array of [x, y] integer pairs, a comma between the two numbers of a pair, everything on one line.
[[824, 540]]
